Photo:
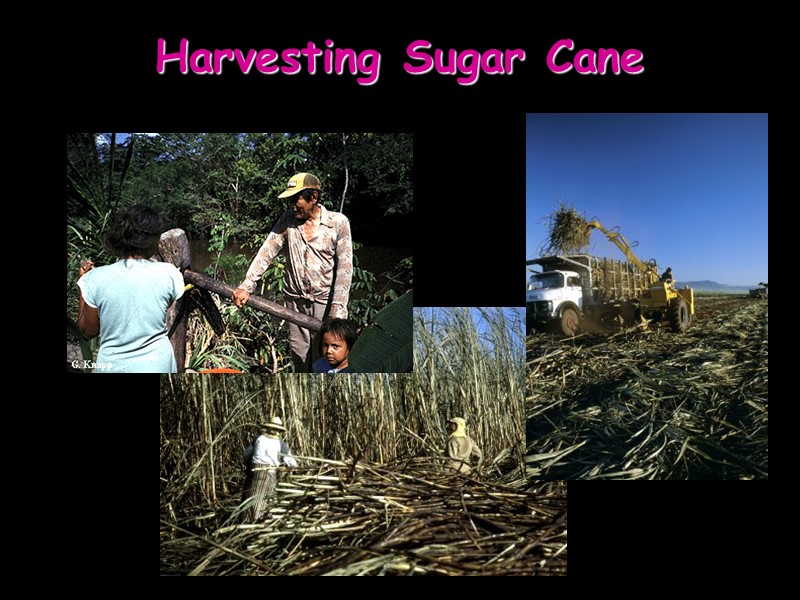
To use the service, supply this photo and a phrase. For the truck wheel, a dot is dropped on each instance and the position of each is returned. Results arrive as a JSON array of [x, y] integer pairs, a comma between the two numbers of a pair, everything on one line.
[[630, 314], [569, 322], [679, 318]]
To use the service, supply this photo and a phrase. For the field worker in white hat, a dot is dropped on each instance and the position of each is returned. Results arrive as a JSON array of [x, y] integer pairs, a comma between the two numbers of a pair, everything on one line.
[[461, 448], [268, 453], [319, 263]]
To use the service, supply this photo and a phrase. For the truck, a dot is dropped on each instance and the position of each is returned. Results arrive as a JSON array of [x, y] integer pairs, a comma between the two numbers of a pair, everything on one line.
[[575, 290], [760, 291]]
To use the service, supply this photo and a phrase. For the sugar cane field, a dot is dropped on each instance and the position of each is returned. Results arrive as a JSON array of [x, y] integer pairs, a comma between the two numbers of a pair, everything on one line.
[[648, 403], [371, 494]]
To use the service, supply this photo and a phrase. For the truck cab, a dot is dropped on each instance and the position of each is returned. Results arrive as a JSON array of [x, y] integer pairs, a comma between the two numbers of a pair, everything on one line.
[[554, 296]]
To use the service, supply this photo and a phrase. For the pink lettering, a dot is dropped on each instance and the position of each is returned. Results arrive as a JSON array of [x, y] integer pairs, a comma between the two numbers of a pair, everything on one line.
[[264, 59], [245, 64], [630, 58], [551, 56], [200, 62], [365, 64], [219, 56], [603, 56], [162, 56], [369, 64], [290, 56], [414, 54], [312, 52], [589, 62], [469, 64]]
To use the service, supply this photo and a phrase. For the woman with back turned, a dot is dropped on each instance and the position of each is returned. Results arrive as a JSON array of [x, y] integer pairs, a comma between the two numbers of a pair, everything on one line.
[[126, 302]]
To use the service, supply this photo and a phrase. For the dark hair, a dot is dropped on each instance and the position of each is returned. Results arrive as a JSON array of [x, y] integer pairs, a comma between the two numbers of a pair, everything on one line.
[[135, 230], [340, 328]]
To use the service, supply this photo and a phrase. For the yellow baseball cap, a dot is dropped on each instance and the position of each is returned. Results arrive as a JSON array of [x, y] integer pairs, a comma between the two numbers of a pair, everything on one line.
[[299, 182]]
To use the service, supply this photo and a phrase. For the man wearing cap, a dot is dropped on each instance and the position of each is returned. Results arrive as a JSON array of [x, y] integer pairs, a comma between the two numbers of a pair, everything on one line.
[[268, 453], [461, 448], [319, 262]]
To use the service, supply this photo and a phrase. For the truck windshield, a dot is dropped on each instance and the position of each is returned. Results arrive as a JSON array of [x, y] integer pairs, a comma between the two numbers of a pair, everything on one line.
[[547, 280]]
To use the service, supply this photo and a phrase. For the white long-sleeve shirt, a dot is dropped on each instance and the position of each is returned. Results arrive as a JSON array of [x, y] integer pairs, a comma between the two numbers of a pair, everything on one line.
[[270, 451]]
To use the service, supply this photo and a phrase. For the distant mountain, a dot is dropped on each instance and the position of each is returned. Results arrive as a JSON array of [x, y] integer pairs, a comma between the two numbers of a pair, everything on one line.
[[713, 286]]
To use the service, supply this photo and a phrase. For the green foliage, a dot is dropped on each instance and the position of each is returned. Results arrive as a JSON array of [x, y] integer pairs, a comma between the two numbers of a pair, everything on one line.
[[86, 345], [362, 307], [385, 346], [226, 266], [209, 354], [262, 338], [92, 196], [402, 277], [398, 280], [88, 206]]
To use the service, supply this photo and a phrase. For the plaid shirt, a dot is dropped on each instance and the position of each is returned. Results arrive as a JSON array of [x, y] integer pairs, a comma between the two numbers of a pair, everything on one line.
[[314, 268]]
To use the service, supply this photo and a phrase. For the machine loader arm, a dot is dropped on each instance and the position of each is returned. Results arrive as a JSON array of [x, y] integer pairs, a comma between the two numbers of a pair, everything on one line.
[[620, 242]]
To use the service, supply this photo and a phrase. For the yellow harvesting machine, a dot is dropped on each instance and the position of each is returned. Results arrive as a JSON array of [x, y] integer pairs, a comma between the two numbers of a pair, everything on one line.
[[660, 301]]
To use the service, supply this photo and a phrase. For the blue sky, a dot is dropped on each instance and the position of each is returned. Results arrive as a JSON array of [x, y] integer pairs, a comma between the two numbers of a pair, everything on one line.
[[515, 316], [510, 314], [105, 138], [690, 188]]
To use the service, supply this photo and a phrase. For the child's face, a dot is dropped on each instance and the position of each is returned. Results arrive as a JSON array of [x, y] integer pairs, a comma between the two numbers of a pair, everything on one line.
[[335, 350]]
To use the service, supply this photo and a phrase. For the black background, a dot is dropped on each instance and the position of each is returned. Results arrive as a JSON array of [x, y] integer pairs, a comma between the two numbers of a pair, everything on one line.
[[469, 207]]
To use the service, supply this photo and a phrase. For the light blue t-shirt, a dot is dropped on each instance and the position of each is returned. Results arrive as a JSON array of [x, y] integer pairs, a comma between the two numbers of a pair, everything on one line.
[[132, 297]]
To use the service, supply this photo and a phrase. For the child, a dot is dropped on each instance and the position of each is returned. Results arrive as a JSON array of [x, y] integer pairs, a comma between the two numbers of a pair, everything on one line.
[[337, 337]]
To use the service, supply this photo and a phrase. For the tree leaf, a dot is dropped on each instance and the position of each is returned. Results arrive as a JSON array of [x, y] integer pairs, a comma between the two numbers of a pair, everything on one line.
[[385, 346]]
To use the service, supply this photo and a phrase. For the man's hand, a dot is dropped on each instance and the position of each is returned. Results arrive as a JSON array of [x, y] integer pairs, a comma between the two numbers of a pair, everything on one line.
[[240, 297], [337, 312]]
